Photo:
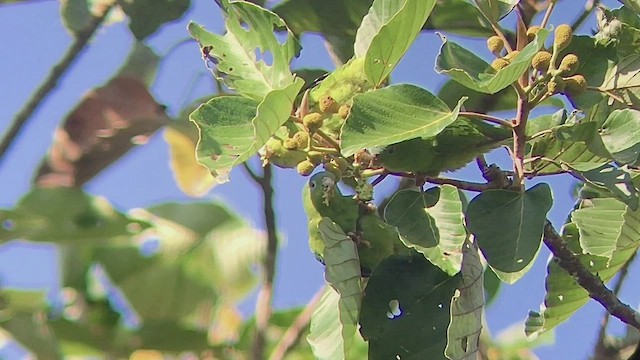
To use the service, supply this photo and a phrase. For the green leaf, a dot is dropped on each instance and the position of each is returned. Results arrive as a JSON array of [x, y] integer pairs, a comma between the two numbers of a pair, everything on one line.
[[430, 222], [494, 10], [406, 309], [394, 114], [564, 296], [387, 32], [512, 246], [467, 305], [65, 215], [471, 71], [24, 300], [146, 16], [232, 129], [32, 332], [141, 64], [632, 4], [76, 15], [331, 331], [607, 177], [459, 17], [342, 272], [621, 137], [235, 52]]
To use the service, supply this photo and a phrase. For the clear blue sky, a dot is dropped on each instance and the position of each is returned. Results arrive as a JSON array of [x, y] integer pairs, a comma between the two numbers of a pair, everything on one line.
[[34, 39]]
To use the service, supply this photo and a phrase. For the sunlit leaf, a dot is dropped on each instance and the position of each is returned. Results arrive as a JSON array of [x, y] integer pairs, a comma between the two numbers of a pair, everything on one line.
[[494, 10], [430, 222], [393, 114], [387, 32], [607, 177], [621, 137], [467, 305], [471, 71]]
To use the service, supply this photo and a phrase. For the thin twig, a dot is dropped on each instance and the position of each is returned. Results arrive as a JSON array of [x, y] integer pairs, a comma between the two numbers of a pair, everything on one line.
[[588, 9], [462, 185], [601, 348], [489, 118], [547, 14], [51, 82], [265, 296], [292, 336], [592, 283]]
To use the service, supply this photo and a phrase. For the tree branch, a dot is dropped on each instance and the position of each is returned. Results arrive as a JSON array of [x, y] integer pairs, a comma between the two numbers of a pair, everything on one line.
[[291, 337], [590, 282], [51, 82], [265, 296], [520, 140], [493, 119]]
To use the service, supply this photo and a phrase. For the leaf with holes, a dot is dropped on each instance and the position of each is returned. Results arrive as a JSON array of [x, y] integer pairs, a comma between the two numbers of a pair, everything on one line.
[[394, 114], [430, 222], [512, 246], [564, 296], [463, 334], [406, 309], [250, 30], [471, 71], [331, 337], [387, 32]]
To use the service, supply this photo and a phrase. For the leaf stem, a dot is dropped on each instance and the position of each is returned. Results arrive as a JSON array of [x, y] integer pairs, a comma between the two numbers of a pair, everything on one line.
[[292, 336], [51, 82], [489, 118], [547, 14], [501, 35], [265, 296], [592, 283]]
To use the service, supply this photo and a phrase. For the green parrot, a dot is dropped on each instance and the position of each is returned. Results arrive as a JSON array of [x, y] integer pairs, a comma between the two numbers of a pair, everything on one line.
[[374, 238], [457, 145]]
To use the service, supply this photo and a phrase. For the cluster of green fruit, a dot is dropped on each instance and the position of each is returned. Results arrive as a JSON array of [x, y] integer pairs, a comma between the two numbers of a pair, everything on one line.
[[549, 78], [303, 147]]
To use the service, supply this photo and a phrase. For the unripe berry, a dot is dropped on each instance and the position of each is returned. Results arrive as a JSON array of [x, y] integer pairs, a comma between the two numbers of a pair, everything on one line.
[[301, 138], [562, 37], [333, 168], [532, 32], [575, 84], [290, 144], [315, 157], [313, 122], [327, 104], [495, 44], [341, 163], [305, 168], [569, 64], [499, 63], [556, 85], [344, 110], [541, 61], [510, 56]]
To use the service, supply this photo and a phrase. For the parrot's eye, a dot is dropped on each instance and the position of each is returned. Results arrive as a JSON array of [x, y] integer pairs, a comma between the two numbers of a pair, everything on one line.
[[312, 185], [391, 150]]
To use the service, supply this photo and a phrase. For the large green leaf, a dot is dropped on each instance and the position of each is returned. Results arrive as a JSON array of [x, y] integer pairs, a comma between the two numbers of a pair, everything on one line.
[[146, 16], [467, 305], [564, 296], [621, 136], [250, 30], [394, 114], [430, 222], [331, 337], [387, 32], [512, 246], [232, 129], [471, 71], [406, 309], [606, 177], [65, 215]]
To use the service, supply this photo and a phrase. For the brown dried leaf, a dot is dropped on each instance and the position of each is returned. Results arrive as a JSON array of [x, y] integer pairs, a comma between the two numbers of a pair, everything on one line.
[[107, 123]]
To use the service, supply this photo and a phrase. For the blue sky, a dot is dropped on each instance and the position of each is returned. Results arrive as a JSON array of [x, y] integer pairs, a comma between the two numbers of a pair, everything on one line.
[[34, 39]]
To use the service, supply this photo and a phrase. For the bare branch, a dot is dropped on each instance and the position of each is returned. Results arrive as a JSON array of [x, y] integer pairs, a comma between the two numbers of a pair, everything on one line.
[[51, 82], [566, 259], [265, 296]]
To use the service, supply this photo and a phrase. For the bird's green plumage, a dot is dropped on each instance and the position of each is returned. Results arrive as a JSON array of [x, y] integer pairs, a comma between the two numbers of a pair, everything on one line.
[[375, 239], [457, 145]]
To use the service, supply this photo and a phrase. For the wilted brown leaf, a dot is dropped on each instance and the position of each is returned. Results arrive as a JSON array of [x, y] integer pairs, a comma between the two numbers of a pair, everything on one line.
[[107, 123]]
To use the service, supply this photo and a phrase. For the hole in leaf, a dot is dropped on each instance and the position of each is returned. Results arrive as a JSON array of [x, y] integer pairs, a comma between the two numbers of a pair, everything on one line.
[[394, 309], [464, 342], [8, 224], [266, 56]]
